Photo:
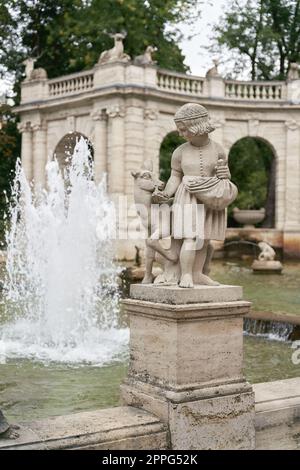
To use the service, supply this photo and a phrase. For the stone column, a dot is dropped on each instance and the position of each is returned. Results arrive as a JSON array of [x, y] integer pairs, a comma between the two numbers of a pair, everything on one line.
[[26, 148], [116, 164], [100, 143], [292, 188], [152, 137], [39, 154], [186, 359]]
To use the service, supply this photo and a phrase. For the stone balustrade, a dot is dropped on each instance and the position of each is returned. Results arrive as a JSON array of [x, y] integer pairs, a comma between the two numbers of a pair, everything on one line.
[[163, 80], [180, 83], [71, 84], [271, 91]]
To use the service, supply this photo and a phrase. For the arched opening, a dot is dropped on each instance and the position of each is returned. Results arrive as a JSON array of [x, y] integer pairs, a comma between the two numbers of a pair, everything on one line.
[[168, 145], [65, 148], [253, 169]]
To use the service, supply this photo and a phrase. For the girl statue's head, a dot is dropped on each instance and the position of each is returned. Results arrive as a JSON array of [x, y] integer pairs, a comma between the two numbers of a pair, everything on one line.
[[192, 120]]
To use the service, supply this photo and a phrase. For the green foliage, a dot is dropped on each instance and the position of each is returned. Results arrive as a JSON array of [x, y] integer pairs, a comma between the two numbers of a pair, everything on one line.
[[250, 163], [261, 33], [69, 35], [9, 151], [169, 144]]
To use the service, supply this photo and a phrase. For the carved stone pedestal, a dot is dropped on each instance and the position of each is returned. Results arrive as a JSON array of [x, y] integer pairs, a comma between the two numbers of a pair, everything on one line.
[[186, 365]]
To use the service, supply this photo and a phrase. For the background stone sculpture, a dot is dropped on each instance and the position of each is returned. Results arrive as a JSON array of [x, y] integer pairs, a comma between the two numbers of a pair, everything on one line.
[[116, 53], [32, 73], [266, 262], [146, 58]]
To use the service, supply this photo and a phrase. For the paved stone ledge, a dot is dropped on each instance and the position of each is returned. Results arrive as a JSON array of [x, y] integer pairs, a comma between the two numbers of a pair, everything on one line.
[[277, 423], [277, 414], [113, 428]]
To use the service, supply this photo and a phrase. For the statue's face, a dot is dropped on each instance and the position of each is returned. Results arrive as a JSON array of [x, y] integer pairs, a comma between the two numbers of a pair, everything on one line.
[[183, 131]]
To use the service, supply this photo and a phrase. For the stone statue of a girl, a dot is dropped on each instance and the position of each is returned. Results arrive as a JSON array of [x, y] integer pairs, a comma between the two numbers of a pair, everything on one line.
[[200, 177]]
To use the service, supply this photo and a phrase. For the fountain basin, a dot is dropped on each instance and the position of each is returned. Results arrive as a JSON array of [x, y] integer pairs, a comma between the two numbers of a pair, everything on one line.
[[250, 217]]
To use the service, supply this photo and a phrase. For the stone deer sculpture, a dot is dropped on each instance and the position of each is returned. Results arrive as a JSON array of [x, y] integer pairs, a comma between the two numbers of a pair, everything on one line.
[[146, 58], [145, 184], [117, 52], [32, 73]]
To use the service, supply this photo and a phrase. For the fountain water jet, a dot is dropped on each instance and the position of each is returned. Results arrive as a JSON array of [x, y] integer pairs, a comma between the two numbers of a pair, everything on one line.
[[61, 293]]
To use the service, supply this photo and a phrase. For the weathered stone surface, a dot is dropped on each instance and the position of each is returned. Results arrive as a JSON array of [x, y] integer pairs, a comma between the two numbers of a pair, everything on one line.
[[216, 423], [277, 414], [114, 428], [175, 295]]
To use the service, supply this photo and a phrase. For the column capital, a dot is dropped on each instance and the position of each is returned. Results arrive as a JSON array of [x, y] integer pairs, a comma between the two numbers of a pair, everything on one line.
[[99, 115], [24, 127], [116, 111], [39, 126], [150, 113], [292, 125]]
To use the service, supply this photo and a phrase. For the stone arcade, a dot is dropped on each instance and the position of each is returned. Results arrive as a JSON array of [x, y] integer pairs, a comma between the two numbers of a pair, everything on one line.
[[126, 110]]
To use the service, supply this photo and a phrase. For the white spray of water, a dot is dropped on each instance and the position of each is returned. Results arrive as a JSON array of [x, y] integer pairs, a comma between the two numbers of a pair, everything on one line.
[[61, 292]]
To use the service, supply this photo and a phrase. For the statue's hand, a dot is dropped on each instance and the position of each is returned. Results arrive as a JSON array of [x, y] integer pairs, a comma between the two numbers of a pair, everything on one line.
[[160, 197], [222, 170]]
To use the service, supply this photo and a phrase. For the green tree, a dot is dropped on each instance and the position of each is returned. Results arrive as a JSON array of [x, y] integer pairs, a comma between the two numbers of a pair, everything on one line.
[[263, 34], [69, 35], [9, 148], [252, 166], [169, 144]]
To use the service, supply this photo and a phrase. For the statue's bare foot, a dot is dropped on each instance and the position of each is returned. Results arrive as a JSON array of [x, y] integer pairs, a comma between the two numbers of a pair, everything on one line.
[[148, 279], [160, 279], [186, 281], [204, 280], [13, 434]]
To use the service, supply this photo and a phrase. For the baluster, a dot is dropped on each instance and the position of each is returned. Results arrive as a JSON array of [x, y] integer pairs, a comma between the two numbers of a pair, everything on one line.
[[251, 92], [185, 84], [196, 87], [158, 80], [201, 87], [279, 92]]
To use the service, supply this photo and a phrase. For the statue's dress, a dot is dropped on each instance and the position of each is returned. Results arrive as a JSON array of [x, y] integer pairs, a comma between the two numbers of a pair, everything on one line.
[[200, 186]]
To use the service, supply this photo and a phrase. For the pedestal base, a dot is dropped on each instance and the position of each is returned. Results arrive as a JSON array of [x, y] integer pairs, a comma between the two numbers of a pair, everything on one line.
[[186, 365], [267, 267], [216, 417]]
